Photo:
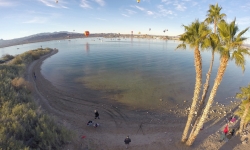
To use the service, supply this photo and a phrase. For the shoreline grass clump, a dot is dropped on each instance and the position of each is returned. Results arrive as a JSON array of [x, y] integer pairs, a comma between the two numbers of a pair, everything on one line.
[[6, 58], [22, 124]]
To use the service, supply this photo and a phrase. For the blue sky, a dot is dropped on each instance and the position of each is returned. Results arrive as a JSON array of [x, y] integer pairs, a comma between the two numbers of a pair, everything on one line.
[[26, 17]]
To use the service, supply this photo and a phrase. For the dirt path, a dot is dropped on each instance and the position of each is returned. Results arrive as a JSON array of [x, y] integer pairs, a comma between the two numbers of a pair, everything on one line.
[[148, 130]]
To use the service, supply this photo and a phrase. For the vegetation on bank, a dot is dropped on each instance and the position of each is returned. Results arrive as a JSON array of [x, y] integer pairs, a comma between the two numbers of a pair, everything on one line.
[[6, 58], [244, 109], [22, 124]]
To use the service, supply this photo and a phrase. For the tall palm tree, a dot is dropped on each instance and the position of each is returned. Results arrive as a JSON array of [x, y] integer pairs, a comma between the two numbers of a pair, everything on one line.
[[214, 16], [194, 35], [231, 49], [213, 42], [244, 110]]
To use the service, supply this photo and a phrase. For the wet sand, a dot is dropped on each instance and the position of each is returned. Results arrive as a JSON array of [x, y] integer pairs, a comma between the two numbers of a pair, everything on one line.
[[148, 129]]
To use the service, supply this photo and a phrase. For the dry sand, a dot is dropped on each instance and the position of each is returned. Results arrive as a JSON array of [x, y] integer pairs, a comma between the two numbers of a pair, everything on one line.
[[148, 129]]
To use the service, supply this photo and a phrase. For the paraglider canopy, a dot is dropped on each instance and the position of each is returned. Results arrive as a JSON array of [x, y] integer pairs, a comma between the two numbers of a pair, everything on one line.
[[138, 1], [86, 33]]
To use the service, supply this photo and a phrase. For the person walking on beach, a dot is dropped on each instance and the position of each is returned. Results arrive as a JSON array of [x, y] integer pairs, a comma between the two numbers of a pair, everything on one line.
[[96, 114], [127, 141], [34, 75]]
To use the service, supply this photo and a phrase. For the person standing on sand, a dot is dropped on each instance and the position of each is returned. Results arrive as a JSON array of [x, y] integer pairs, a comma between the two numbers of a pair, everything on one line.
[[226, 129], [127, 141], [96, 114]]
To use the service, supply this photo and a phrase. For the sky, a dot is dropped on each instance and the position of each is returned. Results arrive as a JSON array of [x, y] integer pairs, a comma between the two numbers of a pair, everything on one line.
[[21, 18]]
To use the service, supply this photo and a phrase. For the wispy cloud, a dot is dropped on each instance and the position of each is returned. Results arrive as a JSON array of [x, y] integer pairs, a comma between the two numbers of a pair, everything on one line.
[[180, 6], [163, 11], [150, 13], [100, 2], [243, 21], [131, 12], [167, 2], [37, 20], [194, 3], [47, 3], [85, 4], [140, 8], [125, 15], [101, 19], [52, 3], [137, 7], [246, 6], [5, 3]]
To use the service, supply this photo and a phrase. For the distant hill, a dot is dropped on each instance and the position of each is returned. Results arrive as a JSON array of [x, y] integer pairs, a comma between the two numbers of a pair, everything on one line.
[[43, 37], [47, 36]]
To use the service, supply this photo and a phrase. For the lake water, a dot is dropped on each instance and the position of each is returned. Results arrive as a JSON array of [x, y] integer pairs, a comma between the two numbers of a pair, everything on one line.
[[136, 72]]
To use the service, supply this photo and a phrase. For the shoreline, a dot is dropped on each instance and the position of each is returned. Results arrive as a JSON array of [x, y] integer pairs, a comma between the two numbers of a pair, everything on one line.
[[56, 39], [74, 110]]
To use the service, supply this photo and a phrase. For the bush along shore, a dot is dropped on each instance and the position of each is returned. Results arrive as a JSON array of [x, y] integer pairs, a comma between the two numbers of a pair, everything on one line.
[[22, 124]]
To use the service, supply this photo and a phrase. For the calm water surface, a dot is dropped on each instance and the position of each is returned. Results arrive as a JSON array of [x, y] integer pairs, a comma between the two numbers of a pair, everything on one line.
[[134, 72]]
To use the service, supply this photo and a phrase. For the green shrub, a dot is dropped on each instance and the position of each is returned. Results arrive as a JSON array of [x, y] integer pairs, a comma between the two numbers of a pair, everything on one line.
[[22, 125], [7, 57]]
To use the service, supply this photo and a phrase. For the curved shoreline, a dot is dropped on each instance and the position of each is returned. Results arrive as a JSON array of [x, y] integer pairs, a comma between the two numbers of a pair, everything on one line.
[[159, 131]]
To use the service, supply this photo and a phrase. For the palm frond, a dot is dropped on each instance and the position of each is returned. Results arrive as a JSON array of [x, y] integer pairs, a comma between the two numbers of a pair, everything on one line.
[[244, 93], [194, 35], [242, 32], [224, 52], [239, 59], [181, 46], [205, 44]]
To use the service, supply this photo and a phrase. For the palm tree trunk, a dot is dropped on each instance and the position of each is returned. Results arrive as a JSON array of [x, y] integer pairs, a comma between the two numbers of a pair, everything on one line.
[[218, 79], [202, 101], [195, 124], [215, 24], [206, 85], [243, 118], [197, 88]]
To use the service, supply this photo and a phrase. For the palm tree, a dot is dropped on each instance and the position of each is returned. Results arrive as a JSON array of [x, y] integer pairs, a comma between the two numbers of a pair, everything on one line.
[[243, 111], [194, 35], [231, 49], [214, 16], [213, 42]]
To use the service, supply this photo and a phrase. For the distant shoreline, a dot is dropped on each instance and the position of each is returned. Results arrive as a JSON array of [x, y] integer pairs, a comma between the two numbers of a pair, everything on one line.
[[35, 42], [66, 36]]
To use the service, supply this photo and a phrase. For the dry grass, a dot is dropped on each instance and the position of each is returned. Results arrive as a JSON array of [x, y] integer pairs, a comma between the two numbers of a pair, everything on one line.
[[20, 82]]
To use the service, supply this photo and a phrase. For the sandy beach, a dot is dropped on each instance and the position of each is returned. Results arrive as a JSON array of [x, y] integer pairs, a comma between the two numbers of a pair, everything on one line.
[[148, 129]]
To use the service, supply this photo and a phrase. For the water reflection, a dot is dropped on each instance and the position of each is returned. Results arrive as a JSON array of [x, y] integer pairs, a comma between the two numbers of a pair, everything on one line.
[[87, 47]]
